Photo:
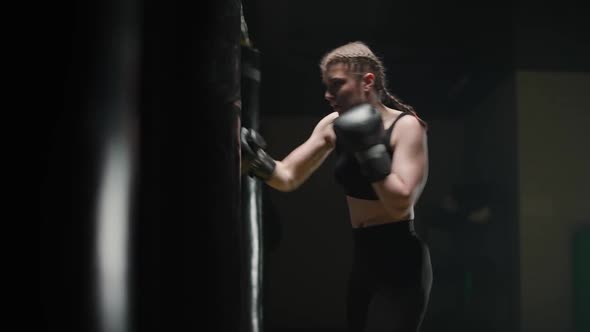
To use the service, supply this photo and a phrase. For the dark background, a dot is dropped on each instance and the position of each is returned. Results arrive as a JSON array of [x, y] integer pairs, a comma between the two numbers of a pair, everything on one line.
[[490, 78], [464, 67]]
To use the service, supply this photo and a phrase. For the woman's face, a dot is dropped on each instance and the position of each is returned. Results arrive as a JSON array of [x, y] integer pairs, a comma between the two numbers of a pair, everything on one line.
[[343, 89]]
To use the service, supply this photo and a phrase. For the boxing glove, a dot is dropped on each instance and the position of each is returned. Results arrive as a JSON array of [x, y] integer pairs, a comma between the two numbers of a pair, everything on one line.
[[360, 132], [255, 161]]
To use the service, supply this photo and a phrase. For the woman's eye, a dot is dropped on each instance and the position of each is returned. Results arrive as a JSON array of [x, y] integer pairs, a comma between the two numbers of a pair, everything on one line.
[[335, 85]]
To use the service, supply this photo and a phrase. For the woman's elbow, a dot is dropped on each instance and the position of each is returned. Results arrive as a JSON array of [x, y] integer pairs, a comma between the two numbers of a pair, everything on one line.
[[283, 180], [398, 207], [285, 186], [402, 200]]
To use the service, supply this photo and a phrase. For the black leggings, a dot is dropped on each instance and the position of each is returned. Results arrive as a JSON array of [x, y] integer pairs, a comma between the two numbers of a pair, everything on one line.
[[390, 280]]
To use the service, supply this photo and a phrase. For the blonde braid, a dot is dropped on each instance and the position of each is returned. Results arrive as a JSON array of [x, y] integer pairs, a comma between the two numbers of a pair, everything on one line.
[[397, 102]]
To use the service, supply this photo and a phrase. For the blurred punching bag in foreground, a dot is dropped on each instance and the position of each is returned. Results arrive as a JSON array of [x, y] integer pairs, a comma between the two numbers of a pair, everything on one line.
[[150, 130], [188, 248]]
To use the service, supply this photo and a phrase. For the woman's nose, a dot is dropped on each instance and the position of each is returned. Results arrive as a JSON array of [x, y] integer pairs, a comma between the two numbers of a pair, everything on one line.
[[328, 96]]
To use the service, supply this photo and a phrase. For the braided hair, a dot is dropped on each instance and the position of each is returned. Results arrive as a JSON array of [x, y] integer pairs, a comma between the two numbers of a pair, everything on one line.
[[360, 59]]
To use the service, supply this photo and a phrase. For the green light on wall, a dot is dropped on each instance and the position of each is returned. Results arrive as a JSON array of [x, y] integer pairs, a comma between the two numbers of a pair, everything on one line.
[[581, 279]]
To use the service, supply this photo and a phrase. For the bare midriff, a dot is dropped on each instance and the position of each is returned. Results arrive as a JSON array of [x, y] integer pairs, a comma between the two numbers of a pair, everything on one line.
[[364, 213]]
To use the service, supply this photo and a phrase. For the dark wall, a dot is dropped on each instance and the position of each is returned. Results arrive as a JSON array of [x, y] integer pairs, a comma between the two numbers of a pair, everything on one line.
[[438, 59], [553, 109], [307, 268], [551, 36], [456, 63], [429, 48]]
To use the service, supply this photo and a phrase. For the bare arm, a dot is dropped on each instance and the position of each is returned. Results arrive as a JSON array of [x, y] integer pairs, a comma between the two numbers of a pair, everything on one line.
[[297, 166], [409, 170]]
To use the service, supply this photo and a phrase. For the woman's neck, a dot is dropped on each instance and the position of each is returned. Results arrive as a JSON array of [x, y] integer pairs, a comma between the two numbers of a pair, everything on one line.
[[376, 102]]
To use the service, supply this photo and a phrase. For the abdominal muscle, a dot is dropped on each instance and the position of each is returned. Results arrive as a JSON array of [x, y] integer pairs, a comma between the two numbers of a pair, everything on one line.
[[364, 213]]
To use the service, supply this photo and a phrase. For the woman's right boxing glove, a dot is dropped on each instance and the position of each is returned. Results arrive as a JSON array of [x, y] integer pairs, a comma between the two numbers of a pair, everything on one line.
[[255, 161]]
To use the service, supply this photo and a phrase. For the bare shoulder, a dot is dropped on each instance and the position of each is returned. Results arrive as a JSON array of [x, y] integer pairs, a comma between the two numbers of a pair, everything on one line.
[[326, 123], [409, 129], [328, 119], [324, 131]]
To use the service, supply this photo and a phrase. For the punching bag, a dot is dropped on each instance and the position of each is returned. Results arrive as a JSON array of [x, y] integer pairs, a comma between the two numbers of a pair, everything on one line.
[[187, 249]]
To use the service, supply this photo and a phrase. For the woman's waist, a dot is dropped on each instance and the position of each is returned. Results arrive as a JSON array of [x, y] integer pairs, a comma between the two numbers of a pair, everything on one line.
[[387, 228], [391, 244], [366, 213]]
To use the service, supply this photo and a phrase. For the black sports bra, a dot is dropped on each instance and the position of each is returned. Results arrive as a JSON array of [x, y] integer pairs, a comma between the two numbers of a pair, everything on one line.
[[347, 172]]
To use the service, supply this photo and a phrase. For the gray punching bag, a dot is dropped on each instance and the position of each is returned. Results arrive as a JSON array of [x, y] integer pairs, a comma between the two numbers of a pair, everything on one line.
[[252, 259]]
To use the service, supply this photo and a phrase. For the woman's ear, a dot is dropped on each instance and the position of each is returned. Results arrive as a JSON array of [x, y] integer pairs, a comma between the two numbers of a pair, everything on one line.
[[368, 81]]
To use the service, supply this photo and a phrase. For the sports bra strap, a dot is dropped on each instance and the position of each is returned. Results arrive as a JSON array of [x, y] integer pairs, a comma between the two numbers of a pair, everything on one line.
[[388, 131]]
